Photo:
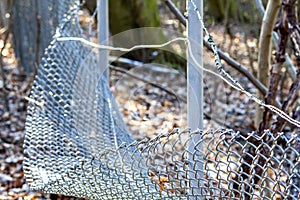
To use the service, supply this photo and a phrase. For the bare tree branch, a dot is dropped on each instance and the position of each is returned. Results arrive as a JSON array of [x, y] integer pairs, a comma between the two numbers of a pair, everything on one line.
[[260, 7], [230, 61], [294, 32], [290, 66], [282, 27], [264, 54], [147, 81], [176, 12]]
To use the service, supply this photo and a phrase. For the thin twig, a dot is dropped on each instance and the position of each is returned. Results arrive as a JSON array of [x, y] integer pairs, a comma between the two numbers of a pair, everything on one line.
[[176, 12], [279, 124], [294, 32], [290, 66], [283, 28], [209, 117], [233, 63], [260, 7], [240, 68], [147, 81]]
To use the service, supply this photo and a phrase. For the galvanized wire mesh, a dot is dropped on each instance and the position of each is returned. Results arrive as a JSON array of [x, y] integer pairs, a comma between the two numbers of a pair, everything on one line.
[[159, 168], [77, 144]]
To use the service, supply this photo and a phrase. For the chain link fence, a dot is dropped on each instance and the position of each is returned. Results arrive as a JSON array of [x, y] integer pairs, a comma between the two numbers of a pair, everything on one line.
[[77, 144]]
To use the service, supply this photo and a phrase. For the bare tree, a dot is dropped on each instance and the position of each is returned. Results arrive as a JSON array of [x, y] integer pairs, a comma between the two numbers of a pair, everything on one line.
[[265, 47]]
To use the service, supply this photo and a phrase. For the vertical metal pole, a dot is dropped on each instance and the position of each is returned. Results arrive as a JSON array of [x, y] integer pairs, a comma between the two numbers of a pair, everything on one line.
[[103, 34], [195, 98]]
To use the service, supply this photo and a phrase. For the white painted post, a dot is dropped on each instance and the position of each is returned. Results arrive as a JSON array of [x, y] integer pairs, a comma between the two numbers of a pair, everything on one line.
[[195, 97], [103, 34]]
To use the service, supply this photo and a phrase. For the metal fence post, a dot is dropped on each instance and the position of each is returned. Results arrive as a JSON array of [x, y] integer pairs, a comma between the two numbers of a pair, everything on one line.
[[195, 97], [103, 33]]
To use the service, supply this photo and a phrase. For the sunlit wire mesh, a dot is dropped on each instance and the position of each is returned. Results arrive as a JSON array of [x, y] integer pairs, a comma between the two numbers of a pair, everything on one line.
[[77, 144]]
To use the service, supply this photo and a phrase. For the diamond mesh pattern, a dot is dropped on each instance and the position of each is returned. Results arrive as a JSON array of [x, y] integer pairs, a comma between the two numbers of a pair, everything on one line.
[[77, 144]]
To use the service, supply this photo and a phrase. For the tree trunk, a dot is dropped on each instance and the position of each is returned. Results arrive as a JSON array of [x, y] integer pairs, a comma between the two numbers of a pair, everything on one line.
[[5, 7], [131, 14], [125, 15], [264, 56], [34, 24], [220, 9]]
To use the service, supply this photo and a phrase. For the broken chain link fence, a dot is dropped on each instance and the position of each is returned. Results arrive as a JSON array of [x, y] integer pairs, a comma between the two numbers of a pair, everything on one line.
[[77, 144]]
